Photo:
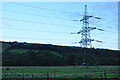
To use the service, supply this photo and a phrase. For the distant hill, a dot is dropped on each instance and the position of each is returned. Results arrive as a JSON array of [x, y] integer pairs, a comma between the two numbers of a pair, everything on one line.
[[25, 54]]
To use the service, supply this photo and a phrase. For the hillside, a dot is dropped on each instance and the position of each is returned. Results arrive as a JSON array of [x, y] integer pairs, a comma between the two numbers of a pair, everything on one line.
[[24, 54]]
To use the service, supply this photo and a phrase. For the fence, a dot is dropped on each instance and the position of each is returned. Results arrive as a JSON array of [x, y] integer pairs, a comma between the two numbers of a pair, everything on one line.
[[54, 75]]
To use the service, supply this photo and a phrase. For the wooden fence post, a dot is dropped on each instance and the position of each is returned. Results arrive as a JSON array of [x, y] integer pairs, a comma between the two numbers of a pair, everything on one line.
[[47, 76], [65, 77], [101, 75], [23, 74], [55, 74], [104, 74], [32, 75]]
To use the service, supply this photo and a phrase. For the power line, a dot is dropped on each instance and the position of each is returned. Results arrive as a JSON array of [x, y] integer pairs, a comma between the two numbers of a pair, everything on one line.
[[30, 38], [36, 22], [53, 10], [35, 14], [101, 43], [111, 31], [103, 37], [43, 31], [110, 43], [34, 30], [50, 41], [48, 10]]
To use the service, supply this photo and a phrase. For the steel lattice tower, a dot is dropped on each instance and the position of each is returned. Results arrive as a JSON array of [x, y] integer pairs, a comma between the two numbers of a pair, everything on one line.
[[86, 40]]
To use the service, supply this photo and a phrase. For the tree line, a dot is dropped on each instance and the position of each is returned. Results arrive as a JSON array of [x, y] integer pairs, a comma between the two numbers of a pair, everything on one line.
[[53, 55]]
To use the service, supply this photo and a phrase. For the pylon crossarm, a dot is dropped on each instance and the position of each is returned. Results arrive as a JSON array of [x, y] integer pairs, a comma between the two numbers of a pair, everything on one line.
[[100, 29], [98, 41]]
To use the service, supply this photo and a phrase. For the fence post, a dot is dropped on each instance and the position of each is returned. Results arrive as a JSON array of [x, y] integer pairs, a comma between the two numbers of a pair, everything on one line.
[[23, 74], [65, 76], [104, 74], [47, 76], [55, 74], [101, 75], [32, 75]]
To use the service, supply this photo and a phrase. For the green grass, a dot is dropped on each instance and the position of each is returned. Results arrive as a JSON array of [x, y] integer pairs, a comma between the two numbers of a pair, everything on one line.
[[61, 71]]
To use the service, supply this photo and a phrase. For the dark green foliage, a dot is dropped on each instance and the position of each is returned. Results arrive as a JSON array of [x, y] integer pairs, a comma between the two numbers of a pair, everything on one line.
[[31, 58], [71, 59], [52, 55]]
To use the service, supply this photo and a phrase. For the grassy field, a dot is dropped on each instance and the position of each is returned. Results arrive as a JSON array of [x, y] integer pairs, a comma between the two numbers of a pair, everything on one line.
[[65, 72]]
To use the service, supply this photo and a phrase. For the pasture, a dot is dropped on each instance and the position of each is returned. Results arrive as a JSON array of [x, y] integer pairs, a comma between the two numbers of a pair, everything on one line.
[[57, 72]]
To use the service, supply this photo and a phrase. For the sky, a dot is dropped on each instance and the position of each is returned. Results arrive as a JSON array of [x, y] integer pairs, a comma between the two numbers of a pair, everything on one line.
[[52, 22]]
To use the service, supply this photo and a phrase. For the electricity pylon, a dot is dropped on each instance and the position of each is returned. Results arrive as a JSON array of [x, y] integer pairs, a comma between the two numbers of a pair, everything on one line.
[[85, 32]]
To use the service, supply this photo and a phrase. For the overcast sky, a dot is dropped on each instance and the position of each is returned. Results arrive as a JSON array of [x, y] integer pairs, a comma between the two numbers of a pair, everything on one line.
[[52, 22]]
